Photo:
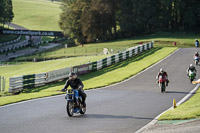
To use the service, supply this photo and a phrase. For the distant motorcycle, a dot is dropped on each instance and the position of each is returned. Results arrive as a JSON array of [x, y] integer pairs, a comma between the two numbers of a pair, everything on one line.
[[162, 83], [191, 75], [196, 60], [74, 103]]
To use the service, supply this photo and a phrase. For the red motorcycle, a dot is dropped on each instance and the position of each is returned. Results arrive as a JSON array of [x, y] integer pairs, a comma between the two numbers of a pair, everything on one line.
[[162, 81]]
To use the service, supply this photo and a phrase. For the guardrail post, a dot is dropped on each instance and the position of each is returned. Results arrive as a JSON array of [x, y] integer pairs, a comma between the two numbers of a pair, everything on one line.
[[3, 84]]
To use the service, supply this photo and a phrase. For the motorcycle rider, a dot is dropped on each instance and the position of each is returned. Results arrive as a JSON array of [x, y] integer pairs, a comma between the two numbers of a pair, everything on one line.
[[75, 83], [196, 55], [192, 69], [196, 43], [163, 74]]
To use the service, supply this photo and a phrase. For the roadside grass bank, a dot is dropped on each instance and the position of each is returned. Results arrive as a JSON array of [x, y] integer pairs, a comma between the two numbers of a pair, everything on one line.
[[118, 72], [37, 14], [188, 110], [161, 39]]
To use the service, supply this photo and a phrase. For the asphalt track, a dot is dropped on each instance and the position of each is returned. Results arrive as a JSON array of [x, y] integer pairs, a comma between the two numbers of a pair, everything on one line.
[[125, 107]]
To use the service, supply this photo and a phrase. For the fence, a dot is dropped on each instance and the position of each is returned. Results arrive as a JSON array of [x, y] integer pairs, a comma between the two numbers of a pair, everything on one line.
[[2, 84], [16, 47], [17, 84], [10, 42]]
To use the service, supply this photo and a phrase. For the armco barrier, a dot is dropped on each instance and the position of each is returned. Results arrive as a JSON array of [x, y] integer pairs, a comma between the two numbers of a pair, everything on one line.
[[30, 81], [10, 42]]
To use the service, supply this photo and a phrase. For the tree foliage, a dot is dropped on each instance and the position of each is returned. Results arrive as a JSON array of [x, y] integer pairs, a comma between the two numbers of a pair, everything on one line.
[[6, 11], [88, 20]]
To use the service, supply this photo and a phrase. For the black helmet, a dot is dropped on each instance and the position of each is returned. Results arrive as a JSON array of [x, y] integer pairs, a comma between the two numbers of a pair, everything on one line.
[[72, 74]]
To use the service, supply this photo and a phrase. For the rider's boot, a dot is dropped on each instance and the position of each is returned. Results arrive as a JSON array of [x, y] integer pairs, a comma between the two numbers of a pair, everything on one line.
[[84, 104]]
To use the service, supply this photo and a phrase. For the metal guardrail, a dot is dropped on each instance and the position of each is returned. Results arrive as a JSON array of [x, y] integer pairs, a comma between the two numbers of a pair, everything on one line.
[[30, 81], [10, 42]]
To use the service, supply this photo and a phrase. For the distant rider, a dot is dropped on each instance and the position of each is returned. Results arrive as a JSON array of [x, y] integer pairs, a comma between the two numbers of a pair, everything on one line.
[[196, 55], [75, 83], [162, 74], [192, 69], [196, 43]]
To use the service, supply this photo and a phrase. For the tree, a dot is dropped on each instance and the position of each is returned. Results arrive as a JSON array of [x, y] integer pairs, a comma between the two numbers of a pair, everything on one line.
[[99, 20], [70, 18], [88, 20], [6, 11]]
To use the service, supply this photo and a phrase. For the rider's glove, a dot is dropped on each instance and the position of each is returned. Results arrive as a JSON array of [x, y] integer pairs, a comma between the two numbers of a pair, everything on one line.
[[80, 87], [63, 90]]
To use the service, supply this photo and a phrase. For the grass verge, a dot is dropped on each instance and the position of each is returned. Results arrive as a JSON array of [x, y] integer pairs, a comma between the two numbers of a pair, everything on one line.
[[37, 14], [118, 72], [39, 67], [188, 110]]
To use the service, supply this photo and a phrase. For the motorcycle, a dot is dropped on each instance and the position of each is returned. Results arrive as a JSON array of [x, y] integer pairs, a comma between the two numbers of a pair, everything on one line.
[[162, 83], [196, 60], [191, 76], [74, 103]]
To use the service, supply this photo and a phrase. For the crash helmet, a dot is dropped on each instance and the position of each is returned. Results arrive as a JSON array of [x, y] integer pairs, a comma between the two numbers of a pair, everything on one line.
[[191, 65], [161, 70], [72, 74]]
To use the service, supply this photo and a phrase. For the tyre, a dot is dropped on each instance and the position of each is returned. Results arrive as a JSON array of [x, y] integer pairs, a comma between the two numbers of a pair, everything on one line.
[[70, 108], [162, 87], [196, 62], [191, 79], [83, 110]]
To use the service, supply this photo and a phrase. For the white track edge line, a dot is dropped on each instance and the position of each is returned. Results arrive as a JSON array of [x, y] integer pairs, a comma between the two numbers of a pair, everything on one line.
[[156, 119], [95, 88]]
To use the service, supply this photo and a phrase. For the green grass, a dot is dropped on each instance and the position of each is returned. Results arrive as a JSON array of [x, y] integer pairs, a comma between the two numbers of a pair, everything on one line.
[[6, 38], [45, 66], [161, 40], [47, 38], [96, 79], [76, 51], [37, 14], [188, 110]]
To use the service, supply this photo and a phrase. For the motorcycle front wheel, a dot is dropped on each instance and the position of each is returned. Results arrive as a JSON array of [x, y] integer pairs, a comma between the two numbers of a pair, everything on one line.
[[196, 62], [191, 79], [70, 108], [162, 87]]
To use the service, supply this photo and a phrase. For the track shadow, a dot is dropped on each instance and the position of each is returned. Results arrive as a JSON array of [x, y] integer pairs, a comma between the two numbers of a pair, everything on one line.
[[179, 92], [104, 116]]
